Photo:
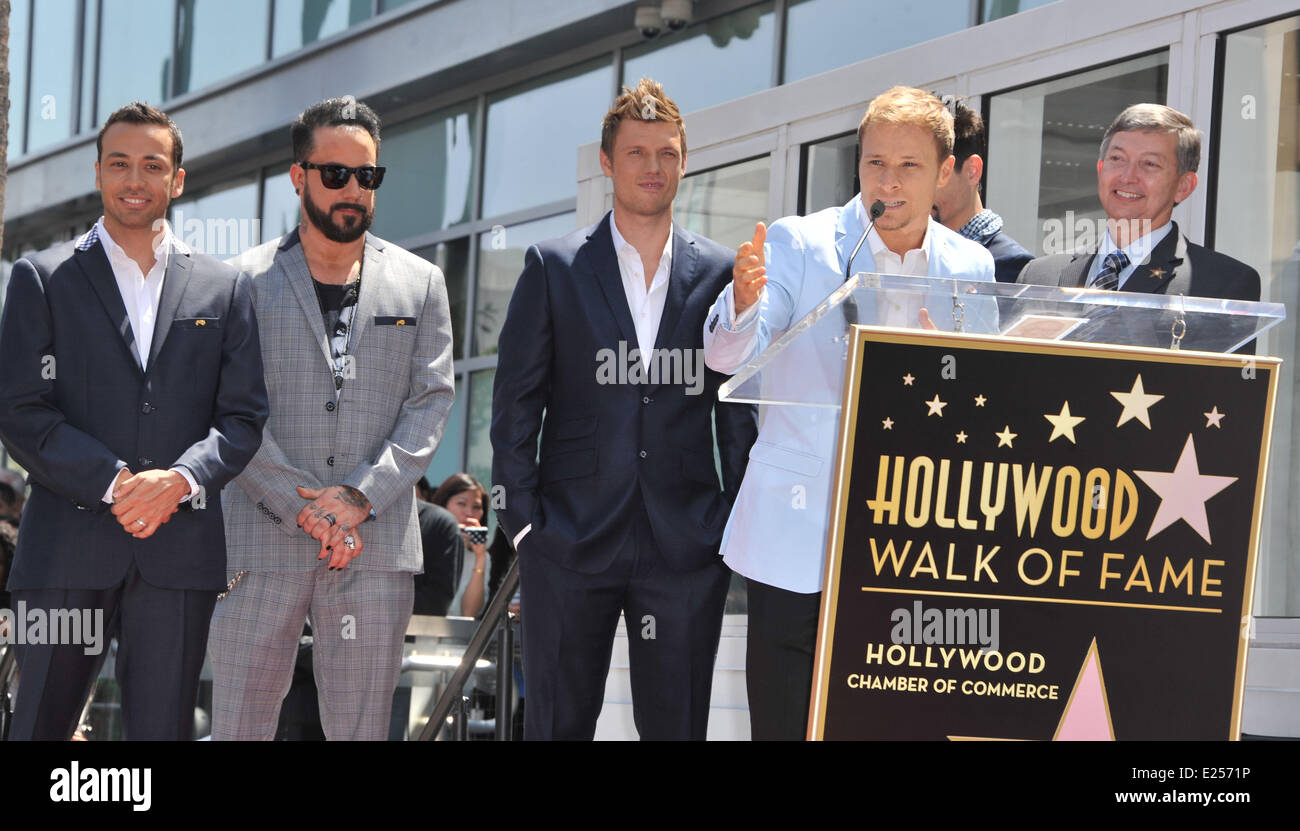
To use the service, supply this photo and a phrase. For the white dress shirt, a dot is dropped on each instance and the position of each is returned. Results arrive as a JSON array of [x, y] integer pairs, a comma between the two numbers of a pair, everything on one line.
[[645, 302], [1137, 252], [141, 295]]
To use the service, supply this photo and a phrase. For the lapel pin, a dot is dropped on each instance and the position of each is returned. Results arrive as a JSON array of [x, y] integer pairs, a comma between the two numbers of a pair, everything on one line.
[[1157, 273]]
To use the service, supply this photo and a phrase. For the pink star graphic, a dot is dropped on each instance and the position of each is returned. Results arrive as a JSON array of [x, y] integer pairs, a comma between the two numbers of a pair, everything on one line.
[[1183, 493]]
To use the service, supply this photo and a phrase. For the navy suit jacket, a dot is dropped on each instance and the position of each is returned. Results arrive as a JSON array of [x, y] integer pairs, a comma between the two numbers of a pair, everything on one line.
[[1009, 257], [608, 445], [75, 408]]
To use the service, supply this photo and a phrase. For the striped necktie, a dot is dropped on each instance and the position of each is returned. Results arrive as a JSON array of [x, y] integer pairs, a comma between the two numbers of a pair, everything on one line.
[[1108, 277]]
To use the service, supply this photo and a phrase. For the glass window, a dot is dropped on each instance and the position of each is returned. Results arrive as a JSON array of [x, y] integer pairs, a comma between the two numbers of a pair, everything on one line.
[[18, 16], [135, 53], [711, 62], [430, 162], [533, 135], [281, 207], [207, 52], [220, 221], [302, 22], [89, 60], [478, 461], [500, 259], [446, 457], [1257, 220], [386, 5], [453, 258], [724, 204], [1044, 141], [53, 109], [830, 173], [822, 35], [993, 9]]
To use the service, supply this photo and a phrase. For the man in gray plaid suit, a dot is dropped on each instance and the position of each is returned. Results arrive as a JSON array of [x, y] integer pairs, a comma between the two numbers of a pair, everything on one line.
[[356, 338]]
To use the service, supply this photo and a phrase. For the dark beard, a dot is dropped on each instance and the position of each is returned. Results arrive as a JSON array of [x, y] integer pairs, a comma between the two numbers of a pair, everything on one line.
[[324, 222]]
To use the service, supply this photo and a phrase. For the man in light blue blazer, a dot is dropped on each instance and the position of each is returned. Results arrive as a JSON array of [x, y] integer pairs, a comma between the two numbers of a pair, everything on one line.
[[776, 536]]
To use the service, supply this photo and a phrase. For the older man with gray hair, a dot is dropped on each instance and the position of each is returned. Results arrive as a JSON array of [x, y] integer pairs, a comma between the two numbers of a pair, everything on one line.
[[1148, 162]]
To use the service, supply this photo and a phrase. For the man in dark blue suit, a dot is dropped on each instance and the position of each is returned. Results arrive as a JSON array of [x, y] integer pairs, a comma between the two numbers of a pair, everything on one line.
[[132, 392], [602, 353], [958, 205]]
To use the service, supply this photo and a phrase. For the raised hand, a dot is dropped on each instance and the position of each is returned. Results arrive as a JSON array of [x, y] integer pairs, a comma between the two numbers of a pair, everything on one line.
[[749, 273]]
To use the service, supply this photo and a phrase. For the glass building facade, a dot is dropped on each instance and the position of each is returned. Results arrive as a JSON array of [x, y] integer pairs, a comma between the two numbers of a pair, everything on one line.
[[489, 135]]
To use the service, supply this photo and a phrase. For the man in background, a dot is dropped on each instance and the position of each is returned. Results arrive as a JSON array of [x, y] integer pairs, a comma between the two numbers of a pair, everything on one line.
[[958, 204], [1147, 166]]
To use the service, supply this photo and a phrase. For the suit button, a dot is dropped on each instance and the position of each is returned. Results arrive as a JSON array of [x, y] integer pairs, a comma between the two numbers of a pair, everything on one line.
[[277, 520], [645, 399], [643, 454], [145, 461], [146, 408], [329, 406], [330, 461]]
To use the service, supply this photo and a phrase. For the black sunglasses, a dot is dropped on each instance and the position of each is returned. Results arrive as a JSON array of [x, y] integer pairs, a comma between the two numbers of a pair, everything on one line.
[[335, 176]]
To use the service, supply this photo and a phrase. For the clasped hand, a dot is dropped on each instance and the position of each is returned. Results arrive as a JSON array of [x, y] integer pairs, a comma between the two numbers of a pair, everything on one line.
[[146, 500], [332, 516]]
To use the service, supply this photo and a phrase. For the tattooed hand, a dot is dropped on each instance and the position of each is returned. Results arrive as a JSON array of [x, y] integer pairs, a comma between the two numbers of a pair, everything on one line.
[[331, 507]]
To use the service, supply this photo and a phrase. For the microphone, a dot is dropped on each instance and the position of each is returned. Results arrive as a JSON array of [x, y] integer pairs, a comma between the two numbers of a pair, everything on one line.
[[850, 306], [876, 211]]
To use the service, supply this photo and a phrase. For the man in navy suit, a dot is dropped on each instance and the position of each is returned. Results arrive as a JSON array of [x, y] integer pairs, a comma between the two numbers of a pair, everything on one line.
[[132, 392], [623, 512], [957, 204]]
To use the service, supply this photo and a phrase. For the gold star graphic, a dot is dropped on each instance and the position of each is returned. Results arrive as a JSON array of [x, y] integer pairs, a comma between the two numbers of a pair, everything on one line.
[[1063, 423], [961, 437], [936, 406], [1213, 417], [1005, 437], [888, 423], [979, 400], [1136, 403], [908, 379]]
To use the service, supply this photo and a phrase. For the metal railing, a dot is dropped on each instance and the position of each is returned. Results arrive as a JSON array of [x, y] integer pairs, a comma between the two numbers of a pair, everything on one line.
[[497, 626]]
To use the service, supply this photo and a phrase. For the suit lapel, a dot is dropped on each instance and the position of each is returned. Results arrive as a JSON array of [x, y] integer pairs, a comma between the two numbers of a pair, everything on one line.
[[372, 265], [94, 264], [293, 264], [175, 280], [1167, 261], [600, 258], [1075, 273], [681, 279]]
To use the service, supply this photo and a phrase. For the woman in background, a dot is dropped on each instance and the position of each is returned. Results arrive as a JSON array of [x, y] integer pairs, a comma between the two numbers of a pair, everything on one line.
[[466, 499]]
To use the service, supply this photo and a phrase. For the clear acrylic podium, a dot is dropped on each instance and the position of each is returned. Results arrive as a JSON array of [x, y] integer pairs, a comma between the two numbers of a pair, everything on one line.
[[805, 365]]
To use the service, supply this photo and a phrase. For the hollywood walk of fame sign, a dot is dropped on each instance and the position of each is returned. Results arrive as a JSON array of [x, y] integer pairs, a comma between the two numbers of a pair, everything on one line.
[[1036, 540]]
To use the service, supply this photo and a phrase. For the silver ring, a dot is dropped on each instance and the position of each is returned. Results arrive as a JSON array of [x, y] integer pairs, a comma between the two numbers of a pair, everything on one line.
[[331, 519], [350, 541], [140, 522]]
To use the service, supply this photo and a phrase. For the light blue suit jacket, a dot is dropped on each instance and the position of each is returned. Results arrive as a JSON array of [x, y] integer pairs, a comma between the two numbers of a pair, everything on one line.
[[777, 530]]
